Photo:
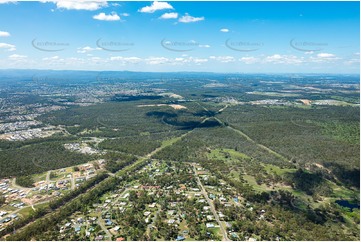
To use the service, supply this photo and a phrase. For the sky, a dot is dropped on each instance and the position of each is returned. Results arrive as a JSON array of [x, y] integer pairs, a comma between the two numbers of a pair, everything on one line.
[[239, 37]]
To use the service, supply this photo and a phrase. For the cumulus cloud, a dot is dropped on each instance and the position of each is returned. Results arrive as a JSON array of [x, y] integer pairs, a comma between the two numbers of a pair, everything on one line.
[[107, 17], [7, 47], [187, 60], [352, 61], [198, 61], [190, 19], [325, 55], [223, 59], [4, 34], [204, 46], [283, 59], [155, 6], [249, 60], [126, 60], [51, 58], [86, 49], [224, 30], [17, 57], [157, 60], [169, 16], [79, 4], [7, 1], [54, 60]]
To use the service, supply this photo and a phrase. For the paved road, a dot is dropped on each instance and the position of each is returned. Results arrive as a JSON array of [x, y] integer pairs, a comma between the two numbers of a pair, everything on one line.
[[102, 225], [72, 182], [205, 194], [100, 220], [48, 177], [14, 185]]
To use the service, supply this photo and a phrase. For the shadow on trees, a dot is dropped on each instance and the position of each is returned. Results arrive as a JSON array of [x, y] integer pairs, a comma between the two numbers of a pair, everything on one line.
[[124, 98], [350, 176]]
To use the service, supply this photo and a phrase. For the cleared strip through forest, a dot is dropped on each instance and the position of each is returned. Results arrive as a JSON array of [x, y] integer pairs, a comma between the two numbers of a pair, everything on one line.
[[251, 140], [36, 227], [245, 135]]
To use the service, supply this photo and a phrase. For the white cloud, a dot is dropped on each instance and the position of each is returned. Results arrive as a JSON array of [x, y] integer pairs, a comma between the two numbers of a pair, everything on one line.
[[204, 46], [80, 4], [155, 7], [198, 61], [325, 55], [157, 60], [17, 57], [189, 19], [4, 34], [283, 59], [74, 61], [273, 58], [249, 60], [223, 59], [51, 58], [126, 60], [224, 30], [125, 14], [192, 60], [54, 60], [96, 59], [7, 47], [107, 17], [7, 1], [86, 49], [352, 61], [169, 16]]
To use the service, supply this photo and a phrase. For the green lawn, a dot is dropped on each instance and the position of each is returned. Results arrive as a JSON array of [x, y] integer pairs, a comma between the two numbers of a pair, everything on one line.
[[227, 154], [277, 170]]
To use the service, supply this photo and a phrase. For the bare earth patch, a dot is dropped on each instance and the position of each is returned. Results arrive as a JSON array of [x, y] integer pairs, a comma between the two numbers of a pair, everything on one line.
[[306, 101], [175, 106]]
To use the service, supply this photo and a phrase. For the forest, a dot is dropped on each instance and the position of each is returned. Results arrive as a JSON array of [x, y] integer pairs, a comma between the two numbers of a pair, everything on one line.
[[291, 159]]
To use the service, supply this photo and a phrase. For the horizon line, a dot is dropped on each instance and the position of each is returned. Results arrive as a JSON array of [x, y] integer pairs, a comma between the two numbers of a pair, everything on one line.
[[195, 72]]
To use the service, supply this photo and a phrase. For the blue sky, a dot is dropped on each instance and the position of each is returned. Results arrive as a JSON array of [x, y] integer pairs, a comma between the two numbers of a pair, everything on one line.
[[267, 37]]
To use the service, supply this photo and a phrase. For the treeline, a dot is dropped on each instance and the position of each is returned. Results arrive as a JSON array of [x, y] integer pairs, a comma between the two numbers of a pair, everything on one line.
[[25, 181], [111, 119], [37, 158], [5, 144], [137, 145], [117, 161]]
